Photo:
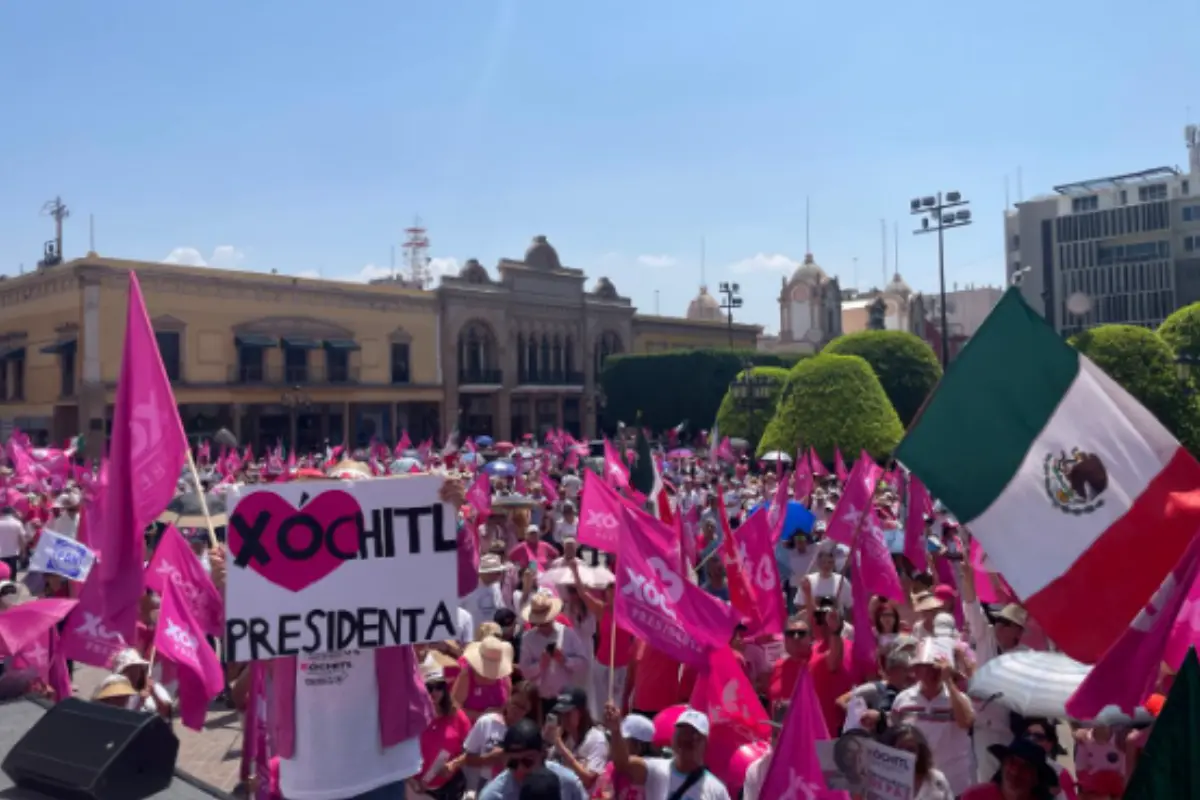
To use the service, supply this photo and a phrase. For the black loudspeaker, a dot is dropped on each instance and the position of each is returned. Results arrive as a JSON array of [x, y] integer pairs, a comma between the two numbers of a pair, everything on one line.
[[89, 751]]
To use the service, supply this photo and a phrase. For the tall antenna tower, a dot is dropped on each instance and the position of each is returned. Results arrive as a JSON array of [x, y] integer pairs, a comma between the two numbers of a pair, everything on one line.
[[52, 250], [416, 252]]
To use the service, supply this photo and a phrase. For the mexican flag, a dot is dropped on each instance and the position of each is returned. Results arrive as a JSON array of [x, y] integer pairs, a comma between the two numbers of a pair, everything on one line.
[[1078, 495]]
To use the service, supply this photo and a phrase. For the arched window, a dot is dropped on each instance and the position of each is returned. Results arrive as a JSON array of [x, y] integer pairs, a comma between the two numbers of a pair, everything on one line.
[[609, 344], [546, 368], [531, 357], [556, 355], [522, 364], [477, 350], [569, 355]]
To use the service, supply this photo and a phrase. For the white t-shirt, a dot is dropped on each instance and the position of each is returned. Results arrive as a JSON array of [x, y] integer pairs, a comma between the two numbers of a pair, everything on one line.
[[662, 779], [65, 525], [148, 704], [950, 744], [483, 603], [466, 626], [338, 752], [12, 536], [592, 752], [830, 587], [485, 736]]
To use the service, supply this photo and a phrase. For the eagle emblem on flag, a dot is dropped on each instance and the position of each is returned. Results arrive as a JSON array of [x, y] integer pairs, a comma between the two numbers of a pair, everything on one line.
[[1075, 481]]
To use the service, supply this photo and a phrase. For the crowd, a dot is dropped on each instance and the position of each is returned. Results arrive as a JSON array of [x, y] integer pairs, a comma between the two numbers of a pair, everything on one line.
[[542, 695]]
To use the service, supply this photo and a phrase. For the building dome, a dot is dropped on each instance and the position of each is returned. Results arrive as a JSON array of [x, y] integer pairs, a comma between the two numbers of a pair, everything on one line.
[[473, 272], [898, 286], [809, 272], [604, 288], [704, 307], [542, 255]]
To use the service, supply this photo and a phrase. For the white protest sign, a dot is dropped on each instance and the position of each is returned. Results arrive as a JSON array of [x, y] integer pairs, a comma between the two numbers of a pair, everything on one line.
[[323, 566], [857, 763], [61, 555]]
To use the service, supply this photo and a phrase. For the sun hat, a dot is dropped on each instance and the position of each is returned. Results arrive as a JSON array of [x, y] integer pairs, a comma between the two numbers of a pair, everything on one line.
[[487, 629], [1032, 754], [490, 657], [490, 564], [113, 686], [927, 601], [127, 658], [695, 720], [1014, 615], [638, 728], [543, 607]]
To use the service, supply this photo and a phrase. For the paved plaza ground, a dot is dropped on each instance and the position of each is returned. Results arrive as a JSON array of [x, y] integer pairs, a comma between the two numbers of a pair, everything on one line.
[[212, 755]]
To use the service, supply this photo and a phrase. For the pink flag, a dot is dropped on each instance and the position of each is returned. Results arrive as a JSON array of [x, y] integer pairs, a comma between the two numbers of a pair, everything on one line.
[[656, 604], [855, 501], [479, 496], [23, 624], [725, 451], [725, 694], [818, 467], [548, 489], [255, 758], [985, 579], [919, 505], [737, 574], [755, 541], [614, 469], [175, 562], [864, 648], [839, 466], [146, 454], [689, 531], [599, 514], [795, 770], [468, 556], [802, 480], [877, 571], [1125, 676], [179, 639]]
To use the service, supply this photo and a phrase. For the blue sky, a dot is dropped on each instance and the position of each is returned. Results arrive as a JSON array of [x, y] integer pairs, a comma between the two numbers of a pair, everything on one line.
[[303, 136]]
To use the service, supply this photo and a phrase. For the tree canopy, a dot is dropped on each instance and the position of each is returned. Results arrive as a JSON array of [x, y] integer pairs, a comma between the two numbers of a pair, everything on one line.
[[905, 365], [833, 401], [736, 420]]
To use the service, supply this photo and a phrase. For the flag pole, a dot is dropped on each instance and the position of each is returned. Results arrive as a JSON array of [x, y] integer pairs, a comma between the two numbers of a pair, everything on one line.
[[612, 647], [212, 533]]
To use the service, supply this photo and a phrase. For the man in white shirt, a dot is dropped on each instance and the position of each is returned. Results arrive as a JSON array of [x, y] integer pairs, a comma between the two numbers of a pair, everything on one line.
[[553, 657], [487, 598], [682, 776], [67, 522], [12, 539], [936, 707]]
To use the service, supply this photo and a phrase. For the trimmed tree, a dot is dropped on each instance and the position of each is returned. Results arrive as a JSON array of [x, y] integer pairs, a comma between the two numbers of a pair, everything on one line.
[[738, 421], [668, 388], [833, 401], [1181, 331], [1144, 365], [906, 366]]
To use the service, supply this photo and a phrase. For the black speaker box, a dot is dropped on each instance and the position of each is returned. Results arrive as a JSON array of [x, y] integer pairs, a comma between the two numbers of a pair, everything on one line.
[[89, 751]]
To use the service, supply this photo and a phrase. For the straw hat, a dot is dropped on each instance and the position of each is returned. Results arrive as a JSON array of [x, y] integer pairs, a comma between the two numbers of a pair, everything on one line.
[[492, 658], [926, 601], [127, 658], [114, 686], [543, 607], [490, 564], [1013, 614]]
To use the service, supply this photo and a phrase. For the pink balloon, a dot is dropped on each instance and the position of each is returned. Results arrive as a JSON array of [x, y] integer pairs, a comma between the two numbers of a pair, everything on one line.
[[664, 724], [730, 753]]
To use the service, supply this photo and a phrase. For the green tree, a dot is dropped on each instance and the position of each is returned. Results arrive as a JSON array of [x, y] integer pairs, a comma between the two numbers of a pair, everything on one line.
[[833, 401], [906, 366], [738, 420], [668, 388], [1181, 331], [1144, 365]]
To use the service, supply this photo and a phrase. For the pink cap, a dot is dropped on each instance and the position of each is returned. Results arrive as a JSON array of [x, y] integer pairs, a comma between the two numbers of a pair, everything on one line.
[[945, 593]]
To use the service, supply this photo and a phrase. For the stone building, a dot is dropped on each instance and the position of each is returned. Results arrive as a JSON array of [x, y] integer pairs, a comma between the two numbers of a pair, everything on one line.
[[809, 310]]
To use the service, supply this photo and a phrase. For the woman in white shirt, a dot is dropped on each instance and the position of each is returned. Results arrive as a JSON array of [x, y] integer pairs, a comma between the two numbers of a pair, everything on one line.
[[929, 783], [578, 743]]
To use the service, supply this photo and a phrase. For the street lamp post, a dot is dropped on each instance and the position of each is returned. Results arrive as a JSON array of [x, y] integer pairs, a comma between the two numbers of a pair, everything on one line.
[[933, 209], [732, 300], [294, 400], [751, 393]]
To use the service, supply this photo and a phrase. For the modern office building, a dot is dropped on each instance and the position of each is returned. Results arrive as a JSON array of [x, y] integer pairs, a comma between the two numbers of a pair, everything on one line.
[[1119, 249]]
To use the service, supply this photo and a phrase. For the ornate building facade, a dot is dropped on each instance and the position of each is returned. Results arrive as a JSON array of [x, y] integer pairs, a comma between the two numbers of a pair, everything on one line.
[[892, 304], [809, 310], [304, 361]]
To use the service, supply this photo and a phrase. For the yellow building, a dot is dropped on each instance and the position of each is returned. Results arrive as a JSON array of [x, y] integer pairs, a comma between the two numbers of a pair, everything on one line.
[[267, 356], [304, 361]]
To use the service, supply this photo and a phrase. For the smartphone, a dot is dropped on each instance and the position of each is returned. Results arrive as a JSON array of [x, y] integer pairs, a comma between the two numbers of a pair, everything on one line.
[[552, 719]]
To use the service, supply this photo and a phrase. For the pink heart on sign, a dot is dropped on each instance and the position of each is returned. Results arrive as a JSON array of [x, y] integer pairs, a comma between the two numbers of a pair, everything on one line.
[[254, 528]]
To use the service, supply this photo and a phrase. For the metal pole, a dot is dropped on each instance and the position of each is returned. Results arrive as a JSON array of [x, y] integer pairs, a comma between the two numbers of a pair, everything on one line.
[[730, 321], [942, 286]]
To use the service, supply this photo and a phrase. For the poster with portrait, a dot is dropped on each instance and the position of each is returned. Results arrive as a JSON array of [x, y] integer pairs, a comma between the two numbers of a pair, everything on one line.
[[856, 763]]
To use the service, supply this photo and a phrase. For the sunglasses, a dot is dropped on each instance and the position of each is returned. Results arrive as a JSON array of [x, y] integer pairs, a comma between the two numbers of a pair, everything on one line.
[[528, 762], [796, 634]]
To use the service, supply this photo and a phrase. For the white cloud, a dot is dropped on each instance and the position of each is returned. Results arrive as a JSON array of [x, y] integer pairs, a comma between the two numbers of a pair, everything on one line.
[[224, 256], [764, 262], [657, 261], [437, 268]]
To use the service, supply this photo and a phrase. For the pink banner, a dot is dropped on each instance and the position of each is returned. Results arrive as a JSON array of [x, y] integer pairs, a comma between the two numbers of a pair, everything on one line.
[[857, 496], [599, 514], [174, 562], [756, 545], [179, 639]]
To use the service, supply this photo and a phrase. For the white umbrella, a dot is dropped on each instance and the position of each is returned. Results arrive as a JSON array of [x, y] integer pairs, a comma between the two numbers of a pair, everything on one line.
[[593, 577], [777, 455], [1038, 684]]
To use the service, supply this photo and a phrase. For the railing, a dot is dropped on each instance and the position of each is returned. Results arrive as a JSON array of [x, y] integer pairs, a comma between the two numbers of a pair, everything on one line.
[[551, 378], [491, 377], [284, 375]]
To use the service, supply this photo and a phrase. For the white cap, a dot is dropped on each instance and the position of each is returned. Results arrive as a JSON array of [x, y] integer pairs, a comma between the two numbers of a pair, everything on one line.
[[695, 720], [638, 728]]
